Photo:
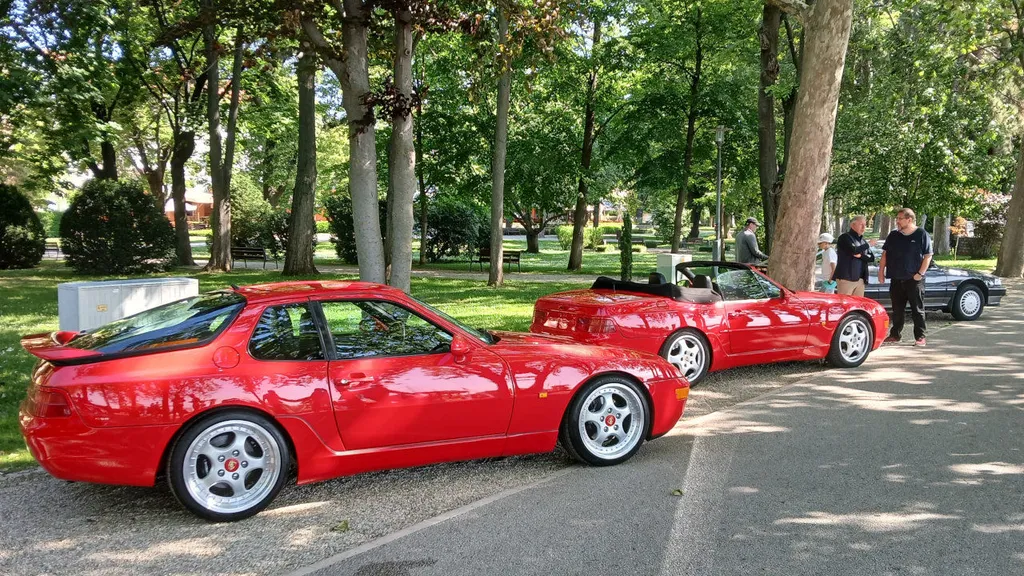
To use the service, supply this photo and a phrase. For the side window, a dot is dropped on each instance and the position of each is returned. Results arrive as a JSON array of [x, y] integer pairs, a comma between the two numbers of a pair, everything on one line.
[[740, 285], [770, 290], [367, 328], [286, 333]]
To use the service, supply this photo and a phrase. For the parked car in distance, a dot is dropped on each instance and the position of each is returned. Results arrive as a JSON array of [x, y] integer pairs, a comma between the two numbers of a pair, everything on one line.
[[960, 292], [717, 315], [228, 394]]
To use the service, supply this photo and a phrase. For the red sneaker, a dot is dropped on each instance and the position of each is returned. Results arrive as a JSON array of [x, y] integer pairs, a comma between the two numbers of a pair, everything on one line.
[[919, 342], [890, 340]]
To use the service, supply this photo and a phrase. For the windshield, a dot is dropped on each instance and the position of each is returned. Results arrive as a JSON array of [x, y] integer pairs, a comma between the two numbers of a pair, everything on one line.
[[193, 321], [481, 335]]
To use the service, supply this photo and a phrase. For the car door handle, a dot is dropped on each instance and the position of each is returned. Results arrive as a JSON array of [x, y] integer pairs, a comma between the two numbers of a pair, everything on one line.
[[356, 378]]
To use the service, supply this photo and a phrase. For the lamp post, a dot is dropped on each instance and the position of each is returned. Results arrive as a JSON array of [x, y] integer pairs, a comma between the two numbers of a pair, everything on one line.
[[718, 252]]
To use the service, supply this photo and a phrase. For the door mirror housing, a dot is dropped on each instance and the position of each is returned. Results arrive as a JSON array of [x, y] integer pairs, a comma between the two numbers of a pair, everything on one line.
[[459, 348]]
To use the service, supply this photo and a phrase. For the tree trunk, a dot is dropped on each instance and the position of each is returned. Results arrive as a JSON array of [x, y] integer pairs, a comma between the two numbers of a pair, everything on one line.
[[940, 234], [496, 275], [424, 203], [885, 226], [155, 181], [533, 240], [298, 256], [691, 131], [827, 35], [184, 146], [579, 218], [768, 163], [220, 219], [1010, 263], [402, 159], [109, 155], [597, 214]]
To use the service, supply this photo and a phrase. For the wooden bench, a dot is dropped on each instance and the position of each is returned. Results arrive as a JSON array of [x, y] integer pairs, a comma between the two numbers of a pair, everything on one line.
[[53, 248], [246, 254], [510, 257]]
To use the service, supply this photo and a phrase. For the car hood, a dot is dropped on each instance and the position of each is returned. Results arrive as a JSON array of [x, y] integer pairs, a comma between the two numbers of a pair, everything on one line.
[[984, 277]]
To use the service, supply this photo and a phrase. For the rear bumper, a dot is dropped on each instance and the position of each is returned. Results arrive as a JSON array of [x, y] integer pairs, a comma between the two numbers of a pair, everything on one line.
[[70, 450], [669, 400]]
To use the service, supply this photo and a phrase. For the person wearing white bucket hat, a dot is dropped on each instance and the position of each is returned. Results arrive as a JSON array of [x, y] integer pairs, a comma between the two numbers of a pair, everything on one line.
[[828, 263]]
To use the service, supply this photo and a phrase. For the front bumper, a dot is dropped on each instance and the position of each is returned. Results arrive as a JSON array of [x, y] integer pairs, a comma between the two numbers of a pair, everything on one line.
[[669, 400], [995, 294]]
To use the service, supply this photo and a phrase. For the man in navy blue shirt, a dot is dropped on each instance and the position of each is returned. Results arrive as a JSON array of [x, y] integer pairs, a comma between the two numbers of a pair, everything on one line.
[[906, 255]]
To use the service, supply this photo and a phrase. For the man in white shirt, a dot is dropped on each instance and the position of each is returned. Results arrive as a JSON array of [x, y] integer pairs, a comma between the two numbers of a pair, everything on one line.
[[828, 263]]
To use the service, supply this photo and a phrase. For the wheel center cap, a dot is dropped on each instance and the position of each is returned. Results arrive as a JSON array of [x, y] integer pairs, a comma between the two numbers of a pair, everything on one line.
[[609, 420], [231, 465]]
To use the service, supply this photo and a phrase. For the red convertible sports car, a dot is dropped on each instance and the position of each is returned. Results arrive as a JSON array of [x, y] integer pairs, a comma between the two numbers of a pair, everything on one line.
[[717, 315], [229, 393]]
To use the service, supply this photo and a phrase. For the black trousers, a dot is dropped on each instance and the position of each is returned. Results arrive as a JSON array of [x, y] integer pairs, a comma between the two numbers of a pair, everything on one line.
[[902, 292]]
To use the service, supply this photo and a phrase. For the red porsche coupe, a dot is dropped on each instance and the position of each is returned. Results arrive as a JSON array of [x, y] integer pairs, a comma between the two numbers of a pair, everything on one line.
[[230, 393], [716, 315]]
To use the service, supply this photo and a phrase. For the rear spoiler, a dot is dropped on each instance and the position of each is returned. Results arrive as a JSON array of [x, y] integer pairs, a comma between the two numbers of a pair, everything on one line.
[[50, 346]]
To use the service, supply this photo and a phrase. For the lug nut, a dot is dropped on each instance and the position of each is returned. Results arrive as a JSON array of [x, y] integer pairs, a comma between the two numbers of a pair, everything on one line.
[[220, 472], [220, 458], [235, 453], [616, 427], [234, 476], [245, 464], [605, 428]]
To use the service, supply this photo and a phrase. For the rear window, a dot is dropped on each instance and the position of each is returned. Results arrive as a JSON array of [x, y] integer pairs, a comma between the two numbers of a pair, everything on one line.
[[190, 322]]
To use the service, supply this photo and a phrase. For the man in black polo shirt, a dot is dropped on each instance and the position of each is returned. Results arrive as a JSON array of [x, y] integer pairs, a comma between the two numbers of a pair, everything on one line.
[[906, 254]]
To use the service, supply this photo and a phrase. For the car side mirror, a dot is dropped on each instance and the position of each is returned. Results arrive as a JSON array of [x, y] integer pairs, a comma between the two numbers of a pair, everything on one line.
[[459, 348]]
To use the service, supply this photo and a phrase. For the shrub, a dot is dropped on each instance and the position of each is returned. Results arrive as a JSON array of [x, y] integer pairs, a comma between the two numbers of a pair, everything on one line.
[[51, 222], [611, 228], [343, 232], [988, 232], [650, 243], [323, 227], [454, 227], [564, 236], [254, 222], [593, 237], [626, 256], [22, 238], [116, 227], [664, 219]]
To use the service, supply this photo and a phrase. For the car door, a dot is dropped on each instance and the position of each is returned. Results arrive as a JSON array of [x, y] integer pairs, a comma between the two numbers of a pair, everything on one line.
[[760, 316], [394, 380]]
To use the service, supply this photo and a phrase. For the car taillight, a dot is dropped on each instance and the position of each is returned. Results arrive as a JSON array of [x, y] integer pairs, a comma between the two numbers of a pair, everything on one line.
[[48, 403], [538, 317], [595, 325]]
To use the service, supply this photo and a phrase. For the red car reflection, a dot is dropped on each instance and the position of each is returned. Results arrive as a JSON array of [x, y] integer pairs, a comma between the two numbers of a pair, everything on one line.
[[716, 315], [230, 393]]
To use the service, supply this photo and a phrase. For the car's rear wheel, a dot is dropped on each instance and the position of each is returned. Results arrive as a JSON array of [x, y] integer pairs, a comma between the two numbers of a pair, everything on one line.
[[228, 466], [606, 422], [968, 303], [851, 342], [687, 350]]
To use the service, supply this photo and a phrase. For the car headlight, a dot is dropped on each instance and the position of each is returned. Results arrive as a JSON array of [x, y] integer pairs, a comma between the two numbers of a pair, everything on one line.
[[994, 282]]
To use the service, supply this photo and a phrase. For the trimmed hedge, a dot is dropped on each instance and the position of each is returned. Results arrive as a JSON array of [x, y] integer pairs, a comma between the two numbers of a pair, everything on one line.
[[22, 237], [116, 227], [339, 215]]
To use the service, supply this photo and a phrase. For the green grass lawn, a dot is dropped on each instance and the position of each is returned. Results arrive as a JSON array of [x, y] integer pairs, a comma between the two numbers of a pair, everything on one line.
[[981, 264], [28, 303]]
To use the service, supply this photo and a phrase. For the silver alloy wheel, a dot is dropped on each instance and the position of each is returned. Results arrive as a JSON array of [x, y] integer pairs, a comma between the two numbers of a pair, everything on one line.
[[854, 340], [970, 302], [687, 353], [612, 421], [232, 466]]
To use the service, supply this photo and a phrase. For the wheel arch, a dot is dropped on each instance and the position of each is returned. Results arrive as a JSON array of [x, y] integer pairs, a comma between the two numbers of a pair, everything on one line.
[[970, 282], [162, 466], [703, 335], [617, 374]]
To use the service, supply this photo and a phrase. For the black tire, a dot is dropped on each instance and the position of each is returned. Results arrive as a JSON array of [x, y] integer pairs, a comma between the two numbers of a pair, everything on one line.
[[246, 436], [694, 338], [851, 342], [634, 400], [968, 302]]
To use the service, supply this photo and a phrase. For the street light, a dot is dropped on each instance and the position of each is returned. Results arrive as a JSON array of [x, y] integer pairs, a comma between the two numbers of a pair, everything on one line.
[[718, 252]]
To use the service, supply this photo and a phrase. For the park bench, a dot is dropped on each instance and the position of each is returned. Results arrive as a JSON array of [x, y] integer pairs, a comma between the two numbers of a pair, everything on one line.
[[53, 249], [509, 257], [246, 254]]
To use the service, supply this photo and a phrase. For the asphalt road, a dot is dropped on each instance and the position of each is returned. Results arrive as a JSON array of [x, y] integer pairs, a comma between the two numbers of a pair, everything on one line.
[[911, 465]]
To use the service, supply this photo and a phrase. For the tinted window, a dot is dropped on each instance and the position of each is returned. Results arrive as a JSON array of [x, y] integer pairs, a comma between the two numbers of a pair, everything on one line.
[[286, 333], [193, 321], [362, 329]]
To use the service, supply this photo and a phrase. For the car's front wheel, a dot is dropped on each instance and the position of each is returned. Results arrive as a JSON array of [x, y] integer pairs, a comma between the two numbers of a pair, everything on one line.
[[851, 342], [606, 422], [228, 466], [968, 303]]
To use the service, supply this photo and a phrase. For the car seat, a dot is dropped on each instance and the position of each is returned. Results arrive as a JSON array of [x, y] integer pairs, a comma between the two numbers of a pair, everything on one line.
[[701, 281], [655, 278]]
